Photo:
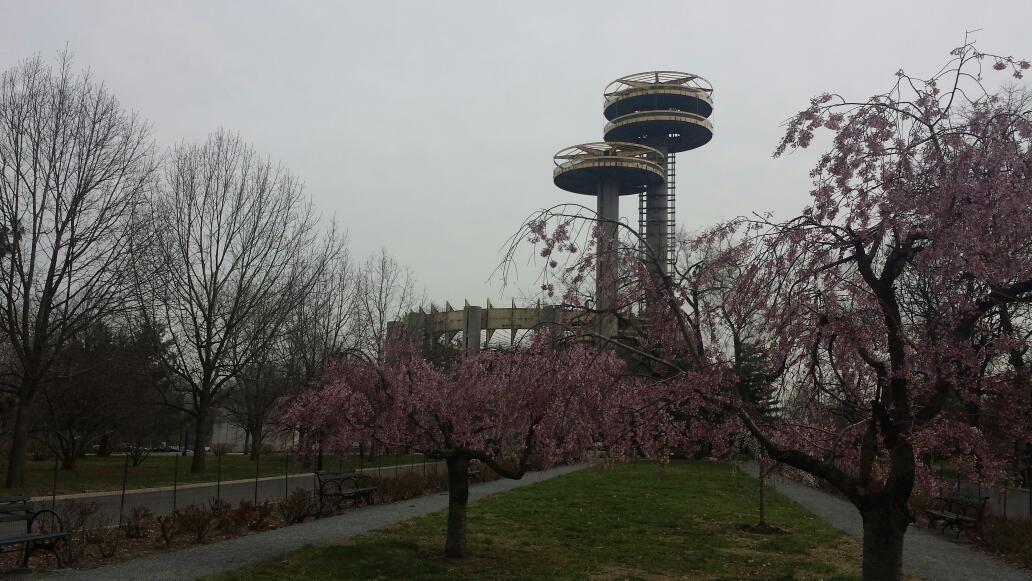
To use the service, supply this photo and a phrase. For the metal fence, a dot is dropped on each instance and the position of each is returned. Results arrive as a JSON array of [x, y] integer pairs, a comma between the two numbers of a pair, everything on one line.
[[274, 477]]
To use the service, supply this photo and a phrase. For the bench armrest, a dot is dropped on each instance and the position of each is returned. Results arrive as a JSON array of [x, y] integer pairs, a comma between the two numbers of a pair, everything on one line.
[[45, 521]]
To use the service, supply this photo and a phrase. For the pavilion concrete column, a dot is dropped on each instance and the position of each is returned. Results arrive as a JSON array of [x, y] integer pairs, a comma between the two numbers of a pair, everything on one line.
[[471, 330], [418, 328], [608, 264]]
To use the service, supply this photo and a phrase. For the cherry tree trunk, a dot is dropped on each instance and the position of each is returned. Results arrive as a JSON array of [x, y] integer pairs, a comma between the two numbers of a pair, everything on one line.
[[885, 524], [458, 497], [763, 499]]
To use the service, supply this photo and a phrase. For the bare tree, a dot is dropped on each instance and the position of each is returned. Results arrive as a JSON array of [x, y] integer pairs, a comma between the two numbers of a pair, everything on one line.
[[386, 292], [328, 323], [252, 403], [231, 239], [73, 168]]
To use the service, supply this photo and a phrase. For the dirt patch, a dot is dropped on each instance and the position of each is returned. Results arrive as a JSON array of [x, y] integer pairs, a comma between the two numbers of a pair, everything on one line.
[[614, 572], [762, 530]]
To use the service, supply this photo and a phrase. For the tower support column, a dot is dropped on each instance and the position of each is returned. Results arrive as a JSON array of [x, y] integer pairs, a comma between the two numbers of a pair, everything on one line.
[[657, 216], [608, 263]]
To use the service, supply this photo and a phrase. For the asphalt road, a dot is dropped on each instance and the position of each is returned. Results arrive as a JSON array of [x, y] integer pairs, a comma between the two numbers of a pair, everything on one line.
[[165, 500]]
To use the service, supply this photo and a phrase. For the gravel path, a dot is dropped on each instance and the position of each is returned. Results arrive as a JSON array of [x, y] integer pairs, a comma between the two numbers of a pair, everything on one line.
[[232, 554], [926, 554]]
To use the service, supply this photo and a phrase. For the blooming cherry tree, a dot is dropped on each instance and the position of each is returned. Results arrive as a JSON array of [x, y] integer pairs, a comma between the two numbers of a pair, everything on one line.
[[888, 309], [885, 326], [500, 408]]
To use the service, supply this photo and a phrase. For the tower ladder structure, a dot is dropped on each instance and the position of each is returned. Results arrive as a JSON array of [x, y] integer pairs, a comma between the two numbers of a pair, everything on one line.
[[671, 222]]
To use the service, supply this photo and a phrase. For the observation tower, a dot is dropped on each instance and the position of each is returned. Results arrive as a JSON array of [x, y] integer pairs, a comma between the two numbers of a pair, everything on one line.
[[608, 170], [668, 111]]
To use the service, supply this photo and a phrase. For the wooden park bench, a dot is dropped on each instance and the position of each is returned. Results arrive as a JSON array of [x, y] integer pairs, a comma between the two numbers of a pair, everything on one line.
[[43, 528], [961, 511], [335, 488]]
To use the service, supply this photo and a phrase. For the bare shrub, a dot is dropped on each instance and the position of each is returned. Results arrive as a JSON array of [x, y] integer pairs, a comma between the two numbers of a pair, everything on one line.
[[78, 517], [195, 520], [167, 528], [106, 536], [139, 522], [408, 485], [298, 506]]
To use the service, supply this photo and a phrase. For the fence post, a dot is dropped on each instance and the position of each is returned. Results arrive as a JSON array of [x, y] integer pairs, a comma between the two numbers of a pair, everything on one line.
[[218, 478], [53, 486], [125, 477], [175, 479], [257, 465], [286, 473]]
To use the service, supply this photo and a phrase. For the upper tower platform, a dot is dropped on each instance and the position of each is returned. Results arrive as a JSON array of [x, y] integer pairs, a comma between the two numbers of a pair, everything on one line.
[[663, 109]]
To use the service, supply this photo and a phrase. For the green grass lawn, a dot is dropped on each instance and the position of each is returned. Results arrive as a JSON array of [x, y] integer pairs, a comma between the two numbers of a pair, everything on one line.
[[95, 474], [631, 521]]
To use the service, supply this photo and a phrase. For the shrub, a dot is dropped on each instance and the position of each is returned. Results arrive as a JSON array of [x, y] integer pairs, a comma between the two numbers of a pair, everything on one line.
[[258, 515], [78, 517], [299, 505], [408, 485], [167, 528], [137, 525], [218, 506], [107, 537], [221, 449], [232, 520], [195, 520], [1012, 538]]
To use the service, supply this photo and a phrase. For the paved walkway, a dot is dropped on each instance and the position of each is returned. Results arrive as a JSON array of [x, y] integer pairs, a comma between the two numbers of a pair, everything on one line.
[[232, 554], [928, 555]]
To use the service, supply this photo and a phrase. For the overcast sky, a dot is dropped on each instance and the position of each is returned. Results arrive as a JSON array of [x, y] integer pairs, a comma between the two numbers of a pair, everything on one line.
[[428, 127]]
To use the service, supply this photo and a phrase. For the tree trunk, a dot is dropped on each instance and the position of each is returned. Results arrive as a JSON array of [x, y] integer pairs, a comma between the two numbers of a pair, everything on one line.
[[69, 456], [763, 500], [256, 445], [885, 524], [104, 446], [19, 442], [458, 497], [199, 462]]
